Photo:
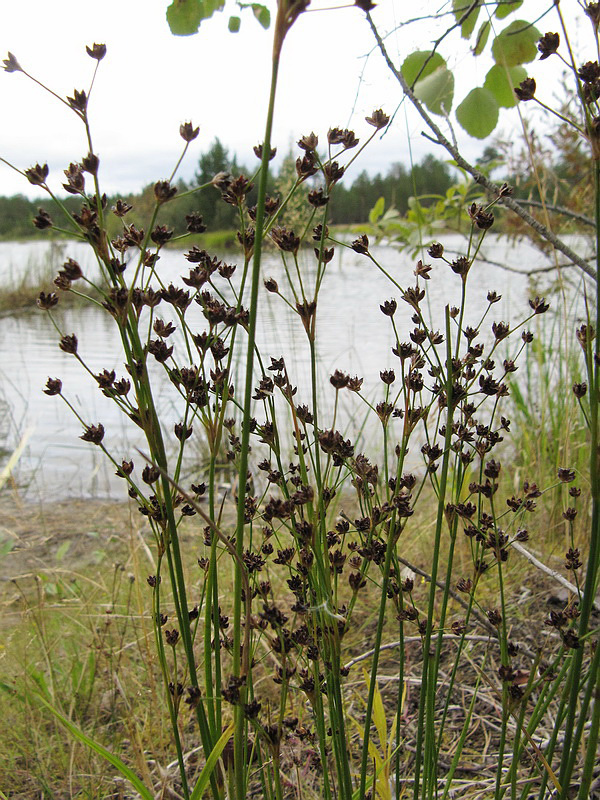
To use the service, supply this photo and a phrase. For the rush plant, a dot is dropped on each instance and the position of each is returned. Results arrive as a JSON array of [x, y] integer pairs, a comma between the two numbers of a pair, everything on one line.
[[255, 638]]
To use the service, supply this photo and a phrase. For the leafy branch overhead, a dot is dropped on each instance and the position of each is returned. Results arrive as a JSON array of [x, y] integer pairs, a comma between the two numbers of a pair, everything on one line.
[[432, 82], [185, 16]]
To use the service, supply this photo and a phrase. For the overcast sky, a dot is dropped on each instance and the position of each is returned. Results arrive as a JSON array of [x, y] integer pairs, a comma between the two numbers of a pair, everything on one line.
[[151, 81]]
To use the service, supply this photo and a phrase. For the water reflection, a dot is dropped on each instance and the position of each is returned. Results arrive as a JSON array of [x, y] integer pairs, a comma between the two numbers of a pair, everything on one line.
[[353, 336]]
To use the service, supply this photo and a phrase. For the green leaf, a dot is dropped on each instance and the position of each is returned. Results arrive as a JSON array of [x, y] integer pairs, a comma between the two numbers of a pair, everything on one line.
[[436, 90], [482, 37], [420, 64], [379, 717], [184, 16], [478, 113], [211, 763], [6, 545], [433, 82], [501, 81], [517, 44], [262, 14], [62, 550], [234, 24], [460, 8], [125, 771], [506, 7], [377, 211]]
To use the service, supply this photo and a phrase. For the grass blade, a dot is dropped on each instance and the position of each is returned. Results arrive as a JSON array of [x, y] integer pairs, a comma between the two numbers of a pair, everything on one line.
[[211, 763], [125, 771]]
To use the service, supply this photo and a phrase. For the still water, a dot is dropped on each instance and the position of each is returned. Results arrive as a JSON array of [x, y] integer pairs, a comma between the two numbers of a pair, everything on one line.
[[353, 336]]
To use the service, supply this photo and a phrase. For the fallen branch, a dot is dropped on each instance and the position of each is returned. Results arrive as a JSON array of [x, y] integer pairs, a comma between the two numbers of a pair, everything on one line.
[[553, 574]]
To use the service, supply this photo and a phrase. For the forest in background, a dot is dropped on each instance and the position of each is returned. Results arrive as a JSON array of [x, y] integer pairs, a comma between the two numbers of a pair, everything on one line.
[[351, 203], [557, 159]]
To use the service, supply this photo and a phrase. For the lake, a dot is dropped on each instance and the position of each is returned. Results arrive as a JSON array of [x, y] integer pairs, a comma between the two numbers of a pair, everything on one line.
[[353, 336]]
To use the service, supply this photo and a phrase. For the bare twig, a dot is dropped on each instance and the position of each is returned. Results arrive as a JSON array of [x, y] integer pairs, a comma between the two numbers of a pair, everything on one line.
[[481, 618], [478, 176], [565, 212], [553, 574]]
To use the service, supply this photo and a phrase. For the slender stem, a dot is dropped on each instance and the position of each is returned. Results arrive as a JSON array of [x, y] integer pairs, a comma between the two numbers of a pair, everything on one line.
[[578, 709], [239, 737], [425, 724]]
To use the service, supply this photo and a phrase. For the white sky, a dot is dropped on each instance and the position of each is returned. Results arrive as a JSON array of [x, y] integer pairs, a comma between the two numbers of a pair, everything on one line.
[[151, 81]]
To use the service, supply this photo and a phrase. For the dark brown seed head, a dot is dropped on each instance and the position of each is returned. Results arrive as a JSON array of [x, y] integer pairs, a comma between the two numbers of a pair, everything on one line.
[[150, 474], [172, 637], [11, 64], [482, 218], [42, 220], [422, 270], [93, 433], [187, 132], [378, 119], [526, 90], [182, 432], [361, 245], [53, 386], [318, 198], [309, 142], [97, 51], [585, 335], [163, 191], [285, 239], [461, 266], [125, 469], [90, 163], [105, 379], [589, 72], [389, 307], [79, 101], [593, 12], [548, 45], [436, 250], [495, 617], [339, 380], [75, 180], [121, 208], [47, 301], [500, 330], [566, 475], [68, 344], [258, 152], [333, 172], [307, 165], [38, 174], [161, 235], [539, 305]]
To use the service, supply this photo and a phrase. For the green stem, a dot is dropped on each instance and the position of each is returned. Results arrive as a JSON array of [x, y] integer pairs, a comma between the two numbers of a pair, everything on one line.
[[425, 745], [579, 710], [239, 734]]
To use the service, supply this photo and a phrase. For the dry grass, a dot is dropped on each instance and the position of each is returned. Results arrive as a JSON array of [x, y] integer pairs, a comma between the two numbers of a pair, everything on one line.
[[76, 621]]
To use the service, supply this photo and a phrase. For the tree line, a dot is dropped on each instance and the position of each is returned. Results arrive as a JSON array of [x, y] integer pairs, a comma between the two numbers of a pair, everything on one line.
[[350, 202]]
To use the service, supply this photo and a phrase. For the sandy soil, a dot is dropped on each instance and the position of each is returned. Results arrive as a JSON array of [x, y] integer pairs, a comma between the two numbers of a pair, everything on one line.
[[59, 534]]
